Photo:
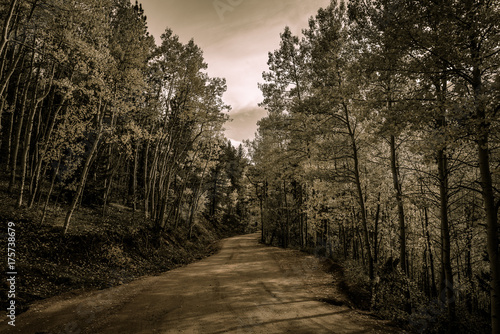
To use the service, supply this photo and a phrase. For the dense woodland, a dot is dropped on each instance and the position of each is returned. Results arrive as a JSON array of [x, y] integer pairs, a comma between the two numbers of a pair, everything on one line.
[[381, 149], [113, 161], [94, 112]]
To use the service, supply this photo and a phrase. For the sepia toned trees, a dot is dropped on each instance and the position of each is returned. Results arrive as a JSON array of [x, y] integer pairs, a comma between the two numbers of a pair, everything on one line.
[[93, 112], [385, 113]]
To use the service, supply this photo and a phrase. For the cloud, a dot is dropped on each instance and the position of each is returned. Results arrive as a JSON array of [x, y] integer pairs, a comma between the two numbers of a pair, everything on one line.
[[243, 124], [235, 47]]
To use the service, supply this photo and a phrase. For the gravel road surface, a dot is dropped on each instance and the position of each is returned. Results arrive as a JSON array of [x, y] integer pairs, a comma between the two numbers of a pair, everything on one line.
[[245, 288]]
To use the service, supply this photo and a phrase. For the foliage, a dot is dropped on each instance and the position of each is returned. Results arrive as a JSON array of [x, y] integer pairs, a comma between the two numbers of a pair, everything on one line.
[[381, 148], [94, 118], [98, 114]]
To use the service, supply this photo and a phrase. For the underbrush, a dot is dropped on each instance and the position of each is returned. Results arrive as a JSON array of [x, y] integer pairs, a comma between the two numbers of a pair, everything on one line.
[[97, 252], [394, 297]]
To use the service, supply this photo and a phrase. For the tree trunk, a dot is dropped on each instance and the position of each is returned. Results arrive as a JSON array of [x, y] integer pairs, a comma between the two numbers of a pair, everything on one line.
[[43, 151], [213, 204], [360, 195], [27, 137], [149, 198], [86, 167], [50, 191], [260, 193], [162, 221], [24, 154], [146, 183], [431, 259], [375, 238], [448, 286], [20, 128], [401, 218], [491, 211], [6, 26], [196, 193], [81, 184], [109, 184], [399, 201], [492, 227], [134, 177], [287, 215], [4, 86], [12, 119]]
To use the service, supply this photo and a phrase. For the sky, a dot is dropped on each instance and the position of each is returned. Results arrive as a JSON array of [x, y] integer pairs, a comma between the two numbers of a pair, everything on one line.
[[236, 37]]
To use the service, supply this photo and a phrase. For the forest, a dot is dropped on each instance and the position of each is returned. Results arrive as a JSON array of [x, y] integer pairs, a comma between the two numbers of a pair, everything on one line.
[[381, 150], [92, 108], [113, 158]]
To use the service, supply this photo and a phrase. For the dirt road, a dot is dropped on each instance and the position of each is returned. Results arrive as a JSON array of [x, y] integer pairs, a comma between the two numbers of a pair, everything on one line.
[[245, 288]]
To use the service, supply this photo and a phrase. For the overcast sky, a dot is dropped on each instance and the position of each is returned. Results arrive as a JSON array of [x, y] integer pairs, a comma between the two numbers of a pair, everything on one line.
[[235, 36]]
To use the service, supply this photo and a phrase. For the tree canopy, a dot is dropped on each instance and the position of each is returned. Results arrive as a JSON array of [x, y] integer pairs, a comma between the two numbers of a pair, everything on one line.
[[382, 130]]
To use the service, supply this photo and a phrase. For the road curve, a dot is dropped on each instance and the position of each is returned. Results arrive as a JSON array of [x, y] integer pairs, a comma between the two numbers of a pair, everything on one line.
[[245, 288]]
